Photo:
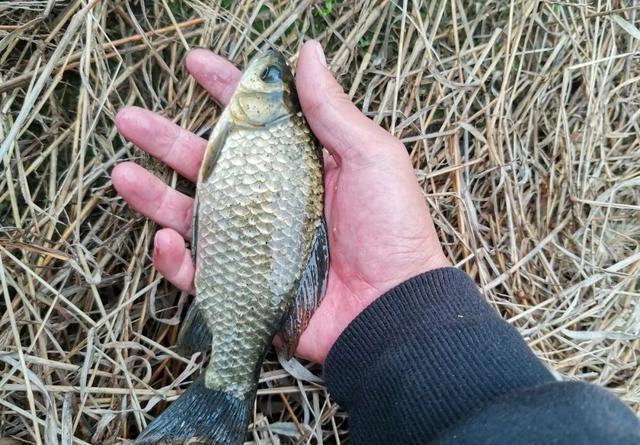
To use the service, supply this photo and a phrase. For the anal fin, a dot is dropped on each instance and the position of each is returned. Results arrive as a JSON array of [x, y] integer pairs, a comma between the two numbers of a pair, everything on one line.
[[310, 292], [194, 335]]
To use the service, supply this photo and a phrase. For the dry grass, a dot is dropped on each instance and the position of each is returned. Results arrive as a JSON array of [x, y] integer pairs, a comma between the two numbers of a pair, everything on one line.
[[521, 117]]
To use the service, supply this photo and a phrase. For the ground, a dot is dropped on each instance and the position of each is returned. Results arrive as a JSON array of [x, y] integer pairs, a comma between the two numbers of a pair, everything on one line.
[[521, 118]]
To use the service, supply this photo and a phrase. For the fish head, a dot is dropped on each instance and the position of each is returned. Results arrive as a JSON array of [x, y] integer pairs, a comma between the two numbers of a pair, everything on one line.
[[266, 91]]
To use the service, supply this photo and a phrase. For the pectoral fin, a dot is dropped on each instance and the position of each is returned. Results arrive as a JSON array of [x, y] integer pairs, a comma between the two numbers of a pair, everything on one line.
[[310, 293], [211, 155], [214, 146]]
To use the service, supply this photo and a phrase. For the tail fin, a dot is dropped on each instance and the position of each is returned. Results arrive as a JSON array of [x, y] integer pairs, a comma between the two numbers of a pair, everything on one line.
[[201, 416]]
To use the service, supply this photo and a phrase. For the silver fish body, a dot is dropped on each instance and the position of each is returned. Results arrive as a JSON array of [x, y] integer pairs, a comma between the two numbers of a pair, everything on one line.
[[258, 213], [261, 253]]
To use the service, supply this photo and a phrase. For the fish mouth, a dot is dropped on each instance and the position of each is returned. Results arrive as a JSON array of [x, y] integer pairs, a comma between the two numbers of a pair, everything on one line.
[[275, 55]]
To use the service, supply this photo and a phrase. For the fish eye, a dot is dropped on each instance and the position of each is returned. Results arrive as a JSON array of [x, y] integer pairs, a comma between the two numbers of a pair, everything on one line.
[[271, 74]]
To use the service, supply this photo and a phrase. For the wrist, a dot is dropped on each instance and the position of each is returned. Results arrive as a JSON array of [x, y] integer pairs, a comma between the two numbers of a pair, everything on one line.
[[431, 342]]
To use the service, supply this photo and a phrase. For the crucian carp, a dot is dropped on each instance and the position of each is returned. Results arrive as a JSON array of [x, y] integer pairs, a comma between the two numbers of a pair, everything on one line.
[[261, 252]]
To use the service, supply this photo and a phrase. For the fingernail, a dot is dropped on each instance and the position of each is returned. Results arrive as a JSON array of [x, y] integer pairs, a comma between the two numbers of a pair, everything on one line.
[[156, 249], [319, 53]]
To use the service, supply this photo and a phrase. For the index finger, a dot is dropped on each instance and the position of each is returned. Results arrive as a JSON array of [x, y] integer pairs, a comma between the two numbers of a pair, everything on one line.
[[215, 73], [168, 142]]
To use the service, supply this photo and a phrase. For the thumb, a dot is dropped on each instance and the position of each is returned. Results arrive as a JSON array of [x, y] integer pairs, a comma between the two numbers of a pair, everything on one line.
[[347, 133]]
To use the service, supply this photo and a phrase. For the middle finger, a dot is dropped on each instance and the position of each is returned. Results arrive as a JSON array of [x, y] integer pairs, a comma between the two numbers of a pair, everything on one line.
[[178, 148]]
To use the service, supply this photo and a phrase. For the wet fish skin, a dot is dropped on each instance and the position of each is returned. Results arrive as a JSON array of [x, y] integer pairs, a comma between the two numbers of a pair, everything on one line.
[[261, 250], [257, 216]]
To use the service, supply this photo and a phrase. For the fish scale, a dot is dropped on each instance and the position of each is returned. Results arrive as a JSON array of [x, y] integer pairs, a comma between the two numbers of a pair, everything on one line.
[[254, 239]]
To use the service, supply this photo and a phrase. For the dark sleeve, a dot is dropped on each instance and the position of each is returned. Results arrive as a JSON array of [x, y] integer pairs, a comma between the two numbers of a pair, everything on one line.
[[431, 362]]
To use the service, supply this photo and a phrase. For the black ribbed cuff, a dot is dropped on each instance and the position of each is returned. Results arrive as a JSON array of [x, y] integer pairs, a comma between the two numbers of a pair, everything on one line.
[[424, 355]]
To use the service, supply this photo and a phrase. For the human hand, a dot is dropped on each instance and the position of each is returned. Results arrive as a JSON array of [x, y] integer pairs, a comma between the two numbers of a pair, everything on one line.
[[380, 230]]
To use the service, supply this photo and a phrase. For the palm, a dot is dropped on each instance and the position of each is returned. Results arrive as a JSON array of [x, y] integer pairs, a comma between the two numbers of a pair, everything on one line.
[[379, 235], [380, 231]]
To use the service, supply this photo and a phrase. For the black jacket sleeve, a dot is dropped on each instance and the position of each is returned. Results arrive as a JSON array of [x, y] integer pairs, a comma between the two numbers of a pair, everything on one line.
[[431, 362]]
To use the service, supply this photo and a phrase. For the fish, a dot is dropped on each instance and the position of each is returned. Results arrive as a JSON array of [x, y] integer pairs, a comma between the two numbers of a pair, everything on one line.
[[261, 251]]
